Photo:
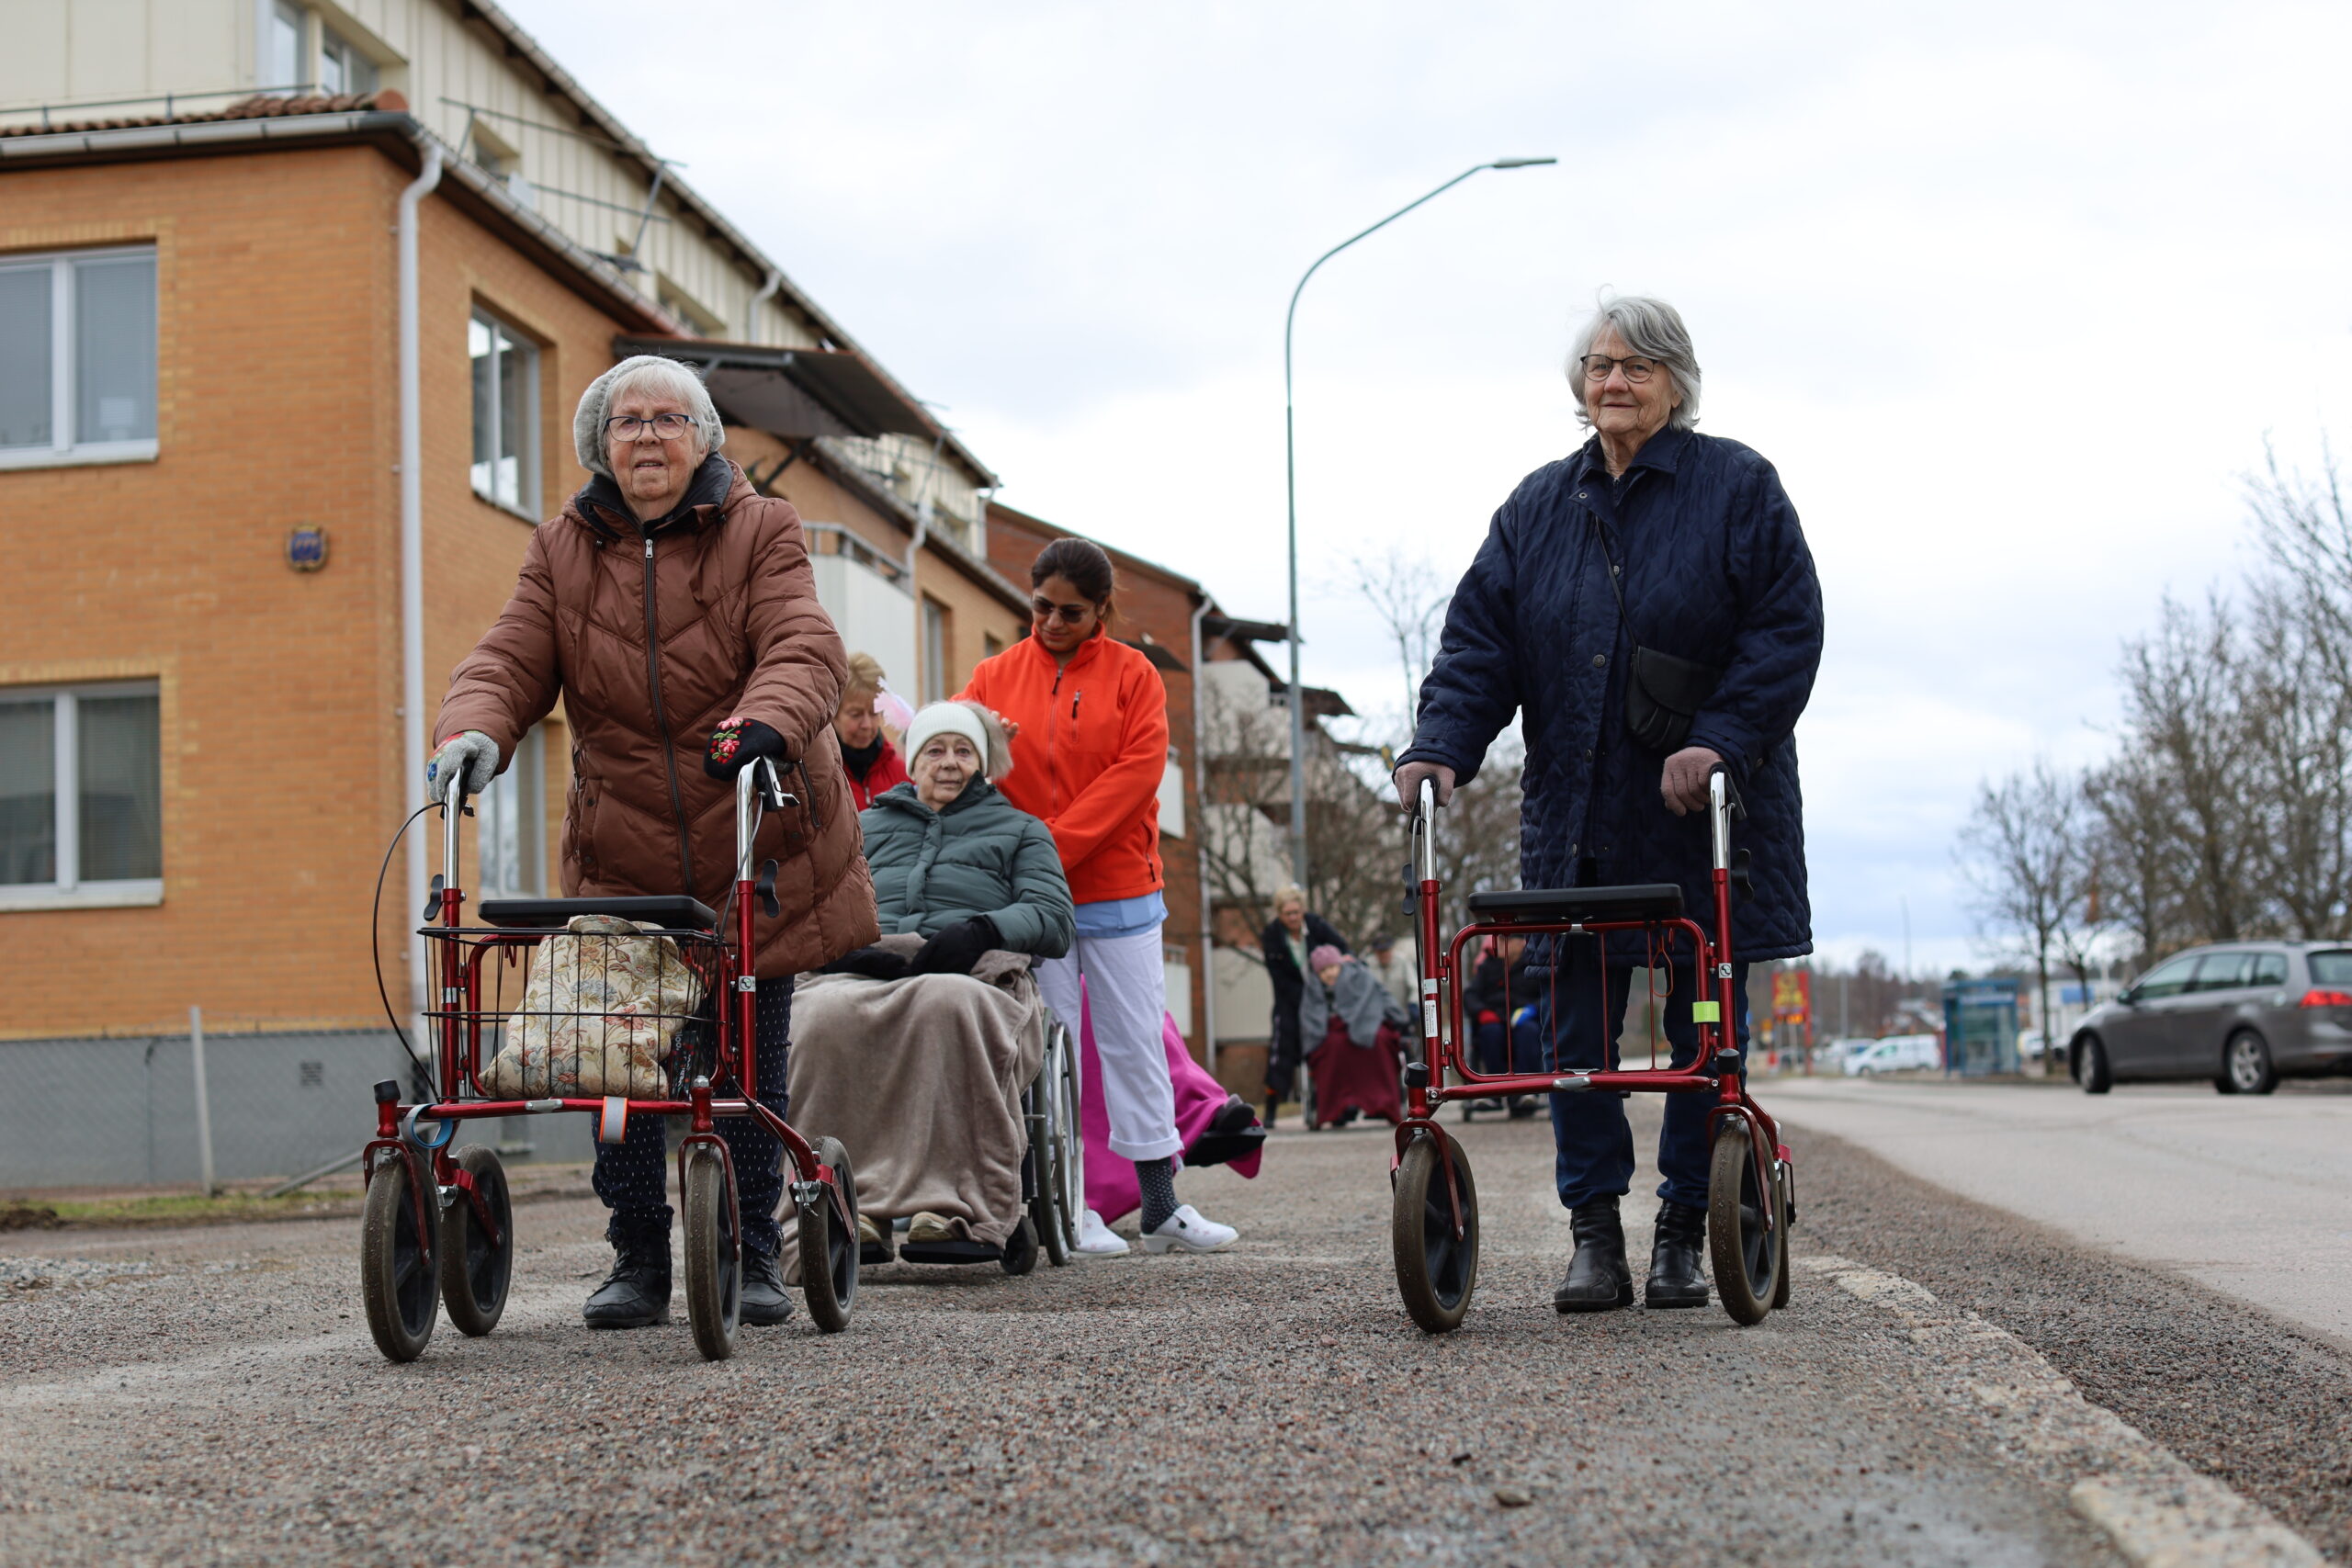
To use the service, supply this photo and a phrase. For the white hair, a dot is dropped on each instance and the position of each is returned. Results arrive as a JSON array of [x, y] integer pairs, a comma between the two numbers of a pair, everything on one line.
[[1653, 329], [660, 374]]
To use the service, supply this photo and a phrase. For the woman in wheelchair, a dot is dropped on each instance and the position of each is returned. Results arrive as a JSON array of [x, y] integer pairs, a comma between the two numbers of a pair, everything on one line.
[[914, 1051]]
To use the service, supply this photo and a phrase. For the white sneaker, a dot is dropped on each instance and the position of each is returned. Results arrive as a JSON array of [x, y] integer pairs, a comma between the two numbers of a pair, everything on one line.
[[1185, 1231], [1096, 1239]]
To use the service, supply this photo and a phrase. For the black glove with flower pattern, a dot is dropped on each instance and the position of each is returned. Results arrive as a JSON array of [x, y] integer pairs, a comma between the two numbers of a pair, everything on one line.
[[737, 742]]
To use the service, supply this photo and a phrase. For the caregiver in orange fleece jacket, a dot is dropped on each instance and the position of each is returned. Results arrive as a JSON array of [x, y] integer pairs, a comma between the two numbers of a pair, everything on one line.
[[1089, 721]]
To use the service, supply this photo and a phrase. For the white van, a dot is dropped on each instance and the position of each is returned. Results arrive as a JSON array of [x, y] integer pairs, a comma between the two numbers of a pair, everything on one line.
[[1897, 1053]]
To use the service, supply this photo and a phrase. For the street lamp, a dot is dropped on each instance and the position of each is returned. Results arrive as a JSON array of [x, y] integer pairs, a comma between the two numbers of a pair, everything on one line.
[[1290, 450]]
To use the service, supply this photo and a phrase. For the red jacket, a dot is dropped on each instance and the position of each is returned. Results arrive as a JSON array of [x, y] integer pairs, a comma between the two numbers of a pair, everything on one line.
[[1089, 759], [887, 770]]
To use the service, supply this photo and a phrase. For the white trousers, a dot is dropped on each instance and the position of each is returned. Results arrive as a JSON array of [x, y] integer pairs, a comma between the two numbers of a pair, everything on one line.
[[1126, 996]]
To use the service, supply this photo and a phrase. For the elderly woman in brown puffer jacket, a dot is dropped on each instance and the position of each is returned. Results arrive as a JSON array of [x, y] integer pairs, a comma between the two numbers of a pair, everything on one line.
[[673, 608]]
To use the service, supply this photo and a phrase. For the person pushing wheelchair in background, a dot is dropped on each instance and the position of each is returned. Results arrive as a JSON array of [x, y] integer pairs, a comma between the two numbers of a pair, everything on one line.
[[1648, 606]]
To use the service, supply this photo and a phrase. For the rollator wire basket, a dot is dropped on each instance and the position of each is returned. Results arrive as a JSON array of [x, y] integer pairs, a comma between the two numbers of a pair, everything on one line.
[[598, 1006]]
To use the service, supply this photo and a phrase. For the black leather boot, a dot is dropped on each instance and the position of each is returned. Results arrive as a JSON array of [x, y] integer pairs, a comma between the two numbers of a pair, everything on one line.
[[1677, 1262], [1598, 1279], [635, 1294], [765, 1302]]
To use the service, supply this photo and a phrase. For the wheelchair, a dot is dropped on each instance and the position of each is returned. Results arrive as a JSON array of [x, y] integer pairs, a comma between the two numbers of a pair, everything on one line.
[[1052, 1175]]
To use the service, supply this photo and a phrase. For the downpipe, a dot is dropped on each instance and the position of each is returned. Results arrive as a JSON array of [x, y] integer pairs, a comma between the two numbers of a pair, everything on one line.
[[412, 493]]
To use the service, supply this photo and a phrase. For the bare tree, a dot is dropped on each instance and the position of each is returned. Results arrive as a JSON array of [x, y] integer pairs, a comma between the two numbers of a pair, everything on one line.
[[2023, 853], [1410, 599], [2181, 699]]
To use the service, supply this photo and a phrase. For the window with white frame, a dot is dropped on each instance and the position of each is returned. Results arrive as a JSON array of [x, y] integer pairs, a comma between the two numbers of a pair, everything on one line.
[[510, 818], [77, 356], [289, 59], [506, 415], [80, 795], [342, 67], [935, 651], [301, 51]]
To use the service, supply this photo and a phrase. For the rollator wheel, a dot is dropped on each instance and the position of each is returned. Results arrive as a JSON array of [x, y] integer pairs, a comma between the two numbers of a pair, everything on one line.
[[829, 1248], [1021, 1248], [1436, 1270], [474, 1269], [714, 1254], [395, 1263], [1787, 1196], [1749, 1260]]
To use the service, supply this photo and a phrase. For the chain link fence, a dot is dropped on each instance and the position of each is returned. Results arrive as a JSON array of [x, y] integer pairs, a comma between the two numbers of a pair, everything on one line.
[[121, 1112]]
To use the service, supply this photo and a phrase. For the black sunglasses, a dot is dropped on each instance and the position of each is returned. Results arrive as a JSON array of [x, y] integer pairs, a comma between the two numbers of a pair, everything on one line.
[[1068, 614]]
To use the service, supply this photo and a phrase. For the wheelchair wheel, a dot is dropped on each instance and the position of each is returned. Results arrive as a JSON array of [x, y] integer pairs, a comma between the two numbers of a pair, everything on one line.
[[829, 1247], [1748, 1259], [1019, 1249], [1436, 1270], [714, 1254], [1060, 1203], [396, 1262], [475, 1268]]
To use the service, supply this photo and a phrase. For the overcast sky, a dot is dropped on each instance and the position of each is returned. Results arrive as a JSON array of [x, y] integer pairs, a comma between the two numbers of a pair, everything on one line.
[[2011, 294]]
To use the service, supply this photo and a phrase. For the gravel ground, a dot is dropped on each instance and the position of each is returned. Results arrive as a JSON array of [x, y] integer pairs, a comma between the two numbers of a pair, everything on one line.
[[2247, 1399], [1269, 1405]]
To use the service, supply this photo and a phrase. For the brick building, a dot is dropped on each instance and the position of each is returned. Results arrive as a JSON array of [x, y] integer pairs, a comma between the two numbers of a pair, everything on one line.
[[262, 484]]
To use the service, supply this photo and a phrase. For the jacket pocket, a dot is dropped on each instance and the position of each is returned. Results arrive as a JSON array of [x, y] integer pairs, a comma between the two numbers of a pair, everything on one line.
[[579, 823]]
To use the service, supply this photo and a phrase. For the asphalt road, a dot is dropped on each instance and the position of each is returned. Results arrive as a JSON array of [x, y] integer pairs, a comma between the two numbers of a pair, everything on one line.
[[2245, 1193], [197, 1396]]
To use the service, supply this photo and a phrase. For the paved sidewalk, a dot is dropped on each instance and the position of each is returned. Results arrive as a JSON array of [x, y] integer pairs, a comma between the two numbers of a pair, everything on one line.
[[211, 1396], [2250, 1194]]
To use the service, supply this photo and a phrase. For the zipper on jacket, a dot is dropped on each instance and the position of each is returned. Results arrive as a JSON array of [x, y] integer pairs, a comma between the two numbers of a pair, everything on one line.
[[1052, 723], [661, 725]]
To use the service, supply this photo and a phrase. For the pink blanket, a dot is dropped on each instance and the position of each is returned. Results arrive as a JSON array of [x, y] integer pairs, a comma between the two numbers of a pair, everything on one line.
[[1111, 1190]]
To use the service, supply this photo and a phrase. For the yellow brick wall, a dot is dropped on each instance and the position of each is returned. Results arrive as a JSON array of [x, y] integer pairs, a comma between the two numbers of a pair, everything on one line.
[[282, 760]]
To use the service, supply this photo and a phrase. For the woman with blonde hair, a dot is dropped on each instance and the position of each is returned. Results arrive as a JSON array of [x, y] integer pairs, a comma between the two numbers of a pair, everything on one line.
[[873, 764]]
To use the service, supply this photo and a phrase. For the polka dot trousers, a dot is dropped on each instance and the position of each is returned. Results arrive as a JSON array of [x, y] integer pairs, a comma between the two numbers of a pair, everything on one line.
[[632, 1175]]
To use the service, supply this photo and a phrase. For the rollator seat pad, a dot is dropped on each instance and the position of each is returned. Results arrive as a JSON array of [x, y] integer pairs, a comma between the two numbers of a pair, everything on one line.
[[671, 911], [1590, 905]]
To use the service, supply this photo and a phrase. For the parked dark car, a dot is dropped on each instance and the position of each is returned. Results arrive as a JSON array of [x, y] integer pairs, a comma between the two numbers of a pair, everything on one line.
[[2239, 1015]]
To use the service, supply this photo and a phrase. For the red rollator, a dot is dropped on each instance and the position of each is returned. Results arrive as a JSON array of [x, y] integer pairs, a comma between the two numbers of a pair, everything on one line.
[[439, 1228], [1751, 1188]]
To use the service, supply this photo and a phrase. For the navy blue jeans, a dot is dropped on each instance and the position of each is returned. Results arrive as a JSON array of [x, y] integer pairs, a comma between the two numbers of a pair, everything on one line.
[[1595, 1143], [632, 1175], [1525, 1052]]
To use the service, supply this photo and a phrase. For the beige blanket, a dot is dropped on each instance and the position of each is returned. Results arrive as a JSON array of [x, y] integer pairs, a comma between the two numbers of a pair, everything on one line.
[[921, 1079]]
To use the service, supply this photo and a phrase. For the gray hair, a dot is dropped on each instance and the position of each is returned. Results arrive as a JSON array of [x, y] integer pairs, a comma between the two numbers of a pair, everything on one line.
[[660, 374], [1653, 329]]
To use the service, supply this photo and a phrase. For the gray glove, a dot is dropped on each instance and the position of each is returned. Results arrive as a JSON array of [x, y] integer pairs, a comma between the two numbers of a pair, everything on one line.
[[472, 751]]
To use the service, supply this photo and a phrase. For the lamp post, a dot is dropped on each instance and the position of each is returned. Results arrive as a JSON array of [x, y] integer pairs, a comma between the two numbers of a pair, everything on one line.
[[1290, 450]]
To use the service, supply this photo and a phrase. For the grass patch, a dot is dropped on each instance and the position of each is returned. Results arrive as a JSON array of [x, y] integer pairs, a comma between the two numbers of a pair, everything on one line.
[[195, 1209]]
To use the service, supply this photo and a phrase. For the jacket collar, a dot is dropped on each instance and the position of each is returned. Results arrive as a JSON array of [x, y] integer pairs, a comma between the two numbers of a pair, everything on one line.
[[903, 797], [1661, 452], [1086, 654], [601, 505]]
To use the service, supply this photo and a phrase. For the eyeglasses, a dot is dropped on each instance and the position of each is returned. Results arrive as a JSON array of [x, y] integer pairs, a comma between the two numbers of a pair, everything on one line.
[[1597, 368], [668, 426], [1045, 609]]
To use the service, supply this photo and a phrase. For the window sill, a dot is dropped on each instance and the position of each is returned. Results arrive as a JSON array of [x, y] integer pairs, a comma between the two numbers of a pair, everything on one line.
[[515, 512], [23, 898], [77, 457]]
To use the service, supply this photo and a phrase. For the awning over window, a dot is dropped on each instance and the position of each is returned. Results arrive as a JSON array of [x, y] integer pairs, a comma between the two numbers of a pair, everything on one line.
[[793, 392]]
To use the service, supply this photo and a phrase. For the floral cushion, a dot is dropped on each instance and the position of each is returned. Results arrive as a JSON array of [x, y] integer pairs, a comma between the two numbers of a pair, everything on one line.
[[602, 1005]]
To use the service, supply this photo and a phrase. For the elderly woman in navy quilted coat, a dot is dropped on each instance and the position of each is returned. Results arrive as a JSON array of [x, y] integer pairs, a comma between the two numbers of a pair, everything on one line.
[[1684, 545]]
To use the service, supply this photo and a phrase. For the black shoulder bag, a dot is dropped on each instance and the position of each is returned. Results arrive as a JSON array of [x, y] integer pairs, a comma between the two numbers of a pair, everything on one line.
[[1663, 693]]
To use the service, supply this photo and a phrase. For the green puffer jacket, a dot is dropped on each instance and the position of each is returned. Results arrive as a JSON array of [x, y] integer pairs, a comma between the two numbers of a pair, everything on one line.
[[980, 856]]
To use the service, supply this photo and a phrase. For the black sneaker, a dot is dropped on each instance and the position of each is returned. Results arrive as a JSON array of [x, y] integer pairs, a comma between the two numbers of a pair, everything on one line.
[[765, 1302]]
